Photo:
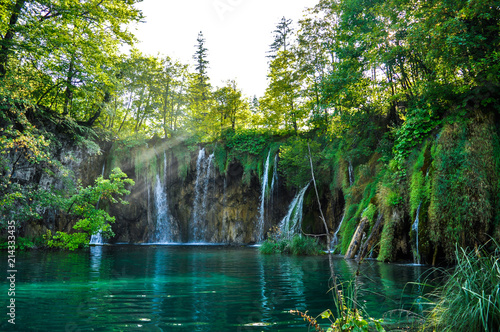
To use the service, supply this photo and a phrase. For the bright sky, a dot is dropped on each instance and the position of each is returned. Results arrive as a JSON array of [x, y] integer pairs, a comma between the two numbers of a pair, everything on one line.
[[237, 32]]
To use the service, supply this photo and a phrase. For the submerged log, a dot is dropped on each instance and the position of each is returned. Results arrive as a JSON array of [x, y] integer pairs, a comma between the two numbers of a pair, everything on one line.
[[373, 238], [356, 239]]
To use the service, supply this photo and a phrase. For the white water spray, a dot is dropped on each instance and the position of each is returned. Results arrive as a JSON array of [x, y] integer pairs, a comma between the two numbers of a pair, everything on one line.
[[265, 180], [416, 258], [351, 173], [203, 175], [97, 239], [292, 222], [335, 239]]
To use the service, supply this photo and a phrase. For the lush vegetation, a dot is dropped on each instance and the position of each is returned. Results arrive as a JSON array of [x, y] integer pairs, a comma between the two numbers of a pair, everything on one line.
[[470, 298], [398, 102], [296, 245]]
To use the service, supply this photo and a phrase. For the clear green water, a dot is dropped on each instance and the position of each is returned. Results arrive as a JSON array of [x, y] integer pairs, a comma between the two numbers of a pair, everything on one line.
[[190, 288]]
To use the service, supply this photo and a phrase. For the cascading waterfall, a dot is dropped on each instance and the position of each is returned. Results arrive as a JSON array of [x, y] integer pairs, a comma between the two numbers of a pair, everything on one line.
[[163, 232], [292, 222], [351, 173], [274, 181], [416, 258], [265, 180], [96, 239], [335, 239], [203, 175]]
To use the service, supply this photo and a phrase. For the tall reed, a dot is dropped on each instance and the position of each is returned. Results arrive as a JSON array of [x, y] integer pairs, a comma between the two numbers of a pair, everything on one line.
[[470, 298]]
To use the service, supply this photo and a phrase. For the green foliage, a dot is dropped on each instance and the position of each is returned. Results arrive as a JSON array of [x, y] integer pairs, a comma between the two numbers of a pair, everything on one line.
[[65, 241], [348, 227], [22, 244], [417, 127], [369, 213], [348, 317], [386, 253], [295, 164], [92, 220], [246, 142], [420, 188], [249, 147], [462, 196], [297, 245], [470, 298], [220, 158]]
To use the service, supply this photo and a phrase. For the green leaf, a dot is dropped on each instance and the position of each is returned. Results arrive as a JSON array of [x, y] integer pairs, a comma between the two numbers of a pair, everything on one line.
[[326, 314]]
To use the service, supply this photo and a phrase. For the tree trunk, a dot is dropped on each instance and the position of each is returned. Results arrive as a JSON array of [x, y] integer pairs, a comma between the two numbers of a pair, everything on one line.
[[356, 240], [7, 40], [373, 238], [68, 94]]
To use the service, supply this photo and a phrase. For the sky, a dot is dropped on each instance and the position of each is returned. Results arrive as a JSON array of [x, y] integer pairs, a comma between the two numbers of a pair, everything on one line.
[[237, 33]]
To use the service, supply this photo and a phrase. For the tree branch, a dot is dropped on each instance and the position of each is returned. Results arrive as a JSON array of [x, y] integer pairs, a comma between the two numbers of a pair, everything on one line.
[[317, 195]]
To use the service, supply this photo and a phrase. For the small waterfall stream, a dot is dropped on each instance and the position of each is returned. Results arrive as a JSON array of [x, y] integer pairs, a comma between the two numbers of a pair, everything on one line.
[[163, 232], [351, 173], [292, 222], [265, 181], [335, 239], [203, 176], [416, 258], [96, 239]]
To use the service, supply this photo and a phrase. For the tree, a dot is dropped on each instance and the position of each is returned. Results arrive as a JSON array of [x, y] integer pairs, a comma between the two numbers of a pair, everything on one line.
[[60, 54], [282, 37], [281, 102], [229, 103], [201, 67]]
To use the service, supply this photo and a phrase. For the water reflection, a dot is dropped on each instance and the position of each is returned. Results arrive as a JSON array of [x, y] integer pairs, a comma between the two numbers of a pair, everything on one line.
[[177, 288]]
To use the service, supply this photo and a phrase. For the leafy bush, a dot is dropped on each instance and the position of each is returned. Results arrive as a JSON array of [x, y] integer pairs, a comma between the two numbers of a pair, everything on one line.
[[93, 220], [22, 243], [246, 141], [417, 127], [298, 245]]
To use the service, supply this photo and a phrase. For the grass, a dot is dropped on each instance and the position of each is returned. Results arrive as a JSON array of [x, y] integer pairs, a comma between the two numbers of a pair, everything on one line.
[[470, 299]]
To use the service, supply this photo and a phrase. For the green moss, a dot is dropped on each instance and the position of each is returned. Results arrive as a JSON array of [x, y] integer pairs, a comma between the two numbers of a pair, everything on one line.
[[370, 213], [420, 181], [386, 253], [220, 158], [348, 227], [463, 187]]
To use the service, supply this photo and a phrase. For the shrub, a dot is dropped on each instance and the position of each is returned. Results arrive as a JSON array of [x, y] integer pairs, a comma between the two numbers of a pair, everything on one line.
[[298, 245]]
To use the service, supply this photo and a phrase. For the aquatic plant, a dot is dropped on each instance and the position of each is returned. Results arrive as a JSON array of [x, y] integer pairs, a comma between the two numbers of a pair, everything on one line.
[[470, 298]]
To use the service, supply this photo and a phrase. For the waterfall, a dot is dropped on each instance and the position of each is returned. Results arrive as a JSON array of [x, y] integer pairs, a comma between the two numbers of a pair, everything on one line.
[[265, 180], [335, 238], [292, 222], [351, 173], [274, 181], [163, 232], [203, 175], [96, 239], [416, 258]]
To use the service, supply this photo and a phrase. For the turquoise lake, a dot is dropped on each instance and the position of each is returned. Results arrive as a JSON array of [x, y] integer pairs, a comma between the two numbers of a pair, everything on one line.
[[193, 288]]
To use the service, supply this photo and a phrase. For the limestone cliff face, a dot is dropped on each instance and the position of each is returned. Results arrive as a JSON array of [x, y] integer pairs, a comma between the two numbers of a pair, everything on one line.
[[200, 204], [76, 162]]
